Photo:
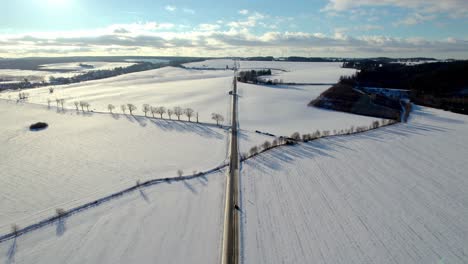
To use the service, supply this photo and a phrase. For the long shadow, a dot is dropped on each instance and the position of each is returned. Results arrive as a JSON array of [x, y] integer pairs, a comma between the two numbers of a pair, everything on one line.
[[140, 120], [61, 228], [185, 127], [144, 196], [115, 116], [428, 115], [190, 187], [11, 252]]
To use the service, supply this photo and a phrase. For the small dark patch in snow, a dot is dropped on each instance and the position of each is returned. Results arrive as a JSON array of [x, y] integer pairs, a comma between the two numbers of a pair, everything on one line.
[[38, 126]]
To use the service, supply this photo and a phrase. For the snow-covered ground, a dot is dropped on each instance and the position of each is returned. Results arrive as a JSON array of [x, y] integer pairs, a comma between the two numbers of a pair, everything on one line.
[[394, 195], [204, 91], [283, 110], [50, 70], [280, 110], [180, 222], [78, 66], [79, 158], [13, 75], [211, 64], [288, 72]]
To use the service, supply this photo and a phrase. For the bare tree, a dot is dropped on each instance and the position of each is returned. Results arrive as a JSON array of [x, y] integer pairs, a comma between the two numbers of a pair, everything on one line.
[[131, 108], [153, 110], [161, 110], [110, 107], [14, 229], [169, 113], [145, 108], [51, 89], [197, 116], [82, 105], [296, 136], [217, 117], [87, 106], [253, 150], [57, 101], [60, 212], [275, 142], [123, 108], [266, 145], [180, 173], [189, 113], [178, 112], [76, 103], [62, 101]]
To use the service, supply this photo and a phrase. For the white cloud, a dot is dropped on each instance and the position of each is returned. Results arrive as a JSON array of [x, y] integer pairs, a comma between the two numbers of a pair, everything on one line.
[[451, 7], [171, 8], [414, 19], [244, 12], [250, 21], [189, 11], [208, 27], [209, 40]]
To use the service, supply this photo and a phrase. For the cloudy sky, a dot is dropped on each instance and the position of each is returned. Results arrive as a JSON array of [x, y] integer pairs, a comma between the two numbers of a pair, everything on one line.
[[338, 28]]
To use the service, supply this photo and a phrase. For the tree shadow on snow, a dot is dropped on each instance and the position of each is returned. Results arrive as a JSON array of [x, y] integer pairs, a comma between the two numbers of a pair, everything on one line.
[[141, 120], [144, 196], [190, 187], [187, 127], [61, 228], [11, 252]]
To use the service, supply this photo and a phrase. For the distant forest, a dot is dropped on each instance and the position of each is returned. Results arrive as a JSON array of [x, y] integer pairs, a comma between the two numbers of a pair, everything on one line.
[[439, 84]]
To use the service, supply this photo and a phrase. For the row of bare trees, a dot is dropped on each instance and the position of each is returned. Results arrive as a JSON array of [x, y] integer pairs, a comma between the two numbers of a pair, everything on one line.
[[296, 136], [161, 111]]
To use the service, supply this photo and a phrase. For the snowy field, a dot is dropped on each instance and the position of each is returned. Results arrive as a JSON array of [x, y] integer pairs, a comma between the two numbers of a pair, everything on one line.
[[79, 158], [283, 109], [50, 70], [394, 195], [13, 75], [289, 72], [77, 66], [204, 91], [181, 222]]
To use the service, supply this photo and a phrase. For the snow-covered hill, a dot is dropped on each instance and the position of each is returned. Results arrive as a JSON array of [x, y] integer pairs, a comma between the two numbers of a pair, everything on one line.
[[180, 222], [394, 195], [79, 158]]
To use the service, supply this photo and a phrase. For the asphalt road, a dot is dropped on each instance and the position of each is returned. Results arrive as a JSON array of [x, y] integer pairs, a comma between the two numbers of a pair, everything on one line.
[[230, 254]]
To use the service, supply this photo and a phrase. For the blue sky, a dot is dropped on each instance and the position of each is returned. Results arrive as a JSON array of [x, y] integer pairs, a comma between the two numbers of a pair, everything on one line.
[[351, 28]]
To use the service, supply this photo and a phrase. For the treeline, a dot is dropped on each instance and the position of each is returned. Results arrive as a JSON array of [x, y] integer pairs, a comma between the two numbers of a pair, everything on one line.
[[343, 97], [252, 75], [440, 84], [297, 137]]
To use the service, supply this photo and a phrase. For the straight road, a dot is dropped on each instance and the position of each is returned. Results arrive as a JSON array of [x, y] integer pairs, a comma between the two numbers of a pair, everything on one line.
[[230, 254]]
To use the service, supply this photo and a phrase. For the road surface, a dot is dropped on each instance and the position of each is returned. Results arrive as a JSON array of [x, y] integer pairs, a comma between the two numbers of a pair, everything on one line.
[[230, 254]]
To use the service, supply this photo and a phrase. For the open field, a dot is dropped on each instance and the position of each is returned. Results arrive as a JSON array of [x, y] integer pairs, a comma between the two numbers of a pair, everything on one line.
[[289, 72], [180, 222], [393, 195], [57, 70], [283, 109], [96, 65], [79, 158]]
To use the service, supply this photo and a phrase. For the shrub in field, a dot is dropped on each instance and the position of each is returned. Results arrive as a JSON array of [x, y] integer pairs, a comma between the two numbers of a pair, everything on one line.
[[296, 136], [38, 126]]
